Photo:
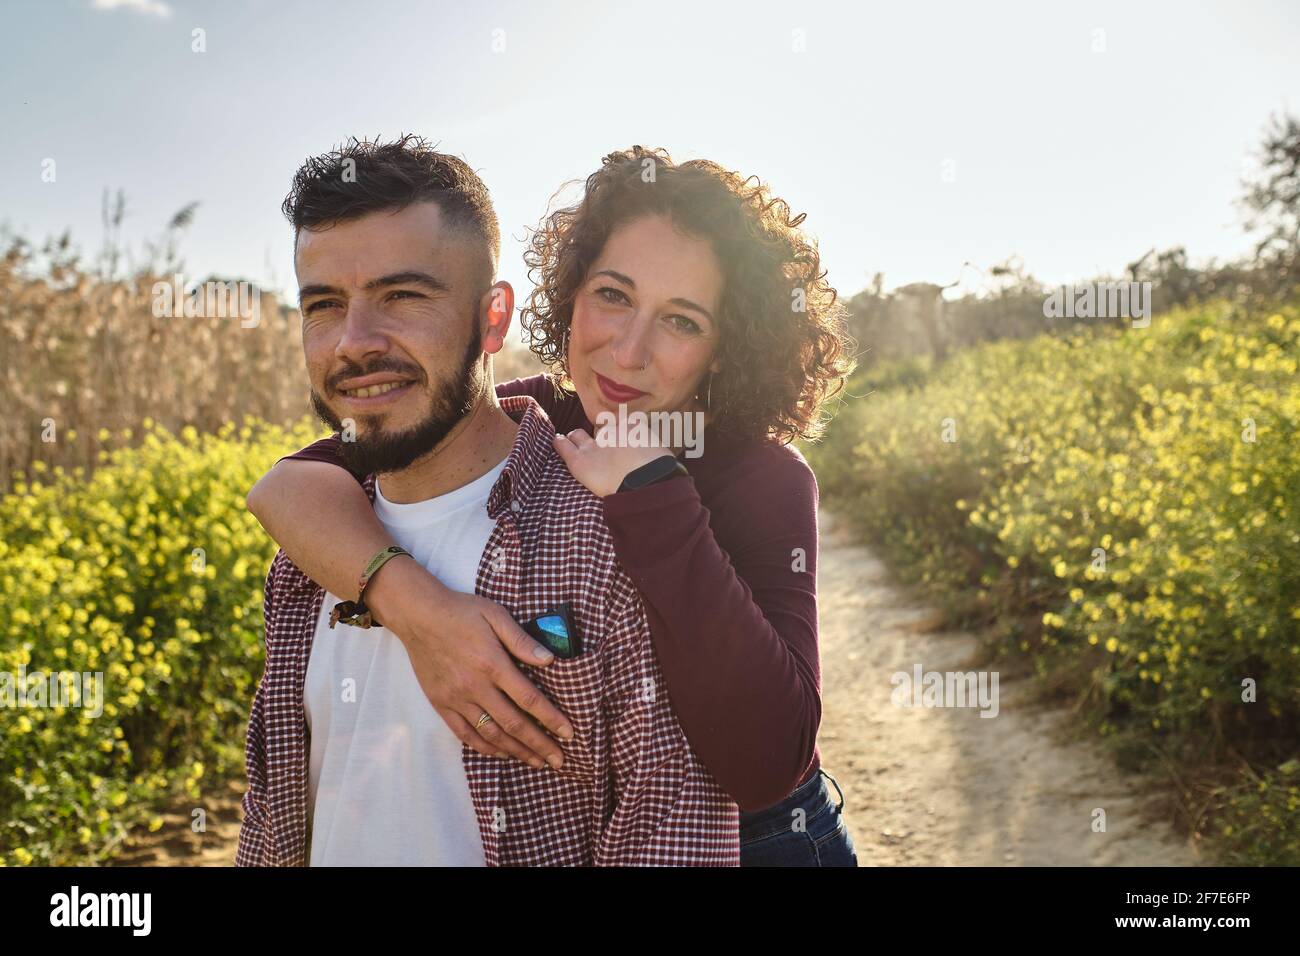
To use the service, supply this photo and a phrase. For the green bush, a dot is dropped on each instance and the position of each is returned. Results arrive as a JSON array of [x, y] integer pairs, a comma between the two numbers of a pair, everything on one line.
[[149, 572], [1126, 505]]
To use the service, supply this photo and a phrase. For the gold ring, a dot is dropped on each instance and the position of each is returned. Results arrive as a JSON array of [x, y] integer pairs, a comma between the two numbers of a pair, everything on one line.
[[483, 718]]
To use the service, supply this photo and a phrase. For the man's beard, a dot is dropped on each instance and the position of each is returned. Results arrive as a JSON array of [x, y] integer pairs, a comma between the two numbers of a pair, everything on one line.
[[375, 451]]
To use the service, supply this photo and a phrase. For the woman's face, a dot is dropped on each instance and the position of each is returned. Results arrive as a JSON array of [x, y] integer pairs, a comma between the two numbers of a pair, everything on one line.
[[644, 331]]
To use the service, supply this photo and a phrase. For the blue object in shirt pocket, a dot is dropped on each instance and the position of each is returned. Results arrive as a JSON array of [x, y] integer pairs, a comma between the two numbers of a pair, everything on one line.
[[556, 631]]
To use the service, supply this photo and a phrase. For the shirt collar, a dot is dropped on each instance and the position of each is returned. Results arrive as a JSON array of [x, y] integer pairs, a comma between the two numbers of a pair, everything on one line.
[[534, 445], [533, 448]]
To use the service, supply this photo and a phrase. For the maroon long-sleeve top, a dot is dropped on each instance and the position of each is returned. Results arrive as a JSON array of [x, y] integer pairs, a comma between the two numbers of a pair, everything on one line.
[[726, 563]]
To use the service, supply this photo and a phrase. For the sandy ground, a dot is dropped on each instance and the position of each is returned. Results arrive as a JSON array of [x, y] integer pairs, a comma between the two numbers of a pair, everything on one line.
[[923, 787], [945, 786], [176, 843]]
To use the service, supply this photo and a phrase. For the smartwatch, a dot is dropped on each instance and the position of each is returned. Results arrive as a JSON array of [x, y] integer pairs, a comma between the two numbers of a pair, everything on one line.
[[661, 469]]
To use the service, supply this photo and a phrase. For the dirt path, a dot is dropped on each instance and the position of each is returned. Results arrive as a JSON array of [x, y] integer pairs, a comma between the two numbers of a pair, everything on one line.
[[945, 786], [176, 843], [923, 787]]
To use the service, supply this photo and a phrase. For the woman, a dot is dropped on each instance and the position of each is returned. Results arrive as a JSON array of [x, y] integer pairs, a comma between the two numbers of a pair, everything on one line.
[[680, 288]]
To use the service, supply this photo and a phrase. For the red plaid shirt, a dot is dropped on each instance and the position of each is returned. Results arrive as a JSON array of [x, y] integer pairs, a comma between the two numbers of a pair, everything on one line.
[[631, 792]]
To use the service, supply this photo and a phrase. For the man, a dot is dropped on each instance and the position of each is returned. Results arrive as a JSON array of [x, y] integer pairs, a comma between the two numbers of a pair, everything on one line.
[[396, 254]]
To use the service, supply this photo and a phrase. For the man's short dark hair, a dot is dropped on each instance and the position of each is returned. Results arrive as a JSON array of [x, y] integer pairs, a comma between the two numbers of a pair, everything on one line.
[[362, 177]]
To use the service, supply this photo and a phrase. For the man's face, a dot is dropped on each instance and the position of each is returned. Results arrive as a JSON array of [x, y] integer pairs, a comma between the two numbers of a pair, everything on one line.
[[390, 329]]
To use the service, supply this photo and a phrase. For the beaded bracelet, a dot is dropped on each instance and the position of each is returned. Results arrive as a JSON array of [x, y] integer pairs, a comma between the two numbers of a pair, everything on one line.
[[355, 612]]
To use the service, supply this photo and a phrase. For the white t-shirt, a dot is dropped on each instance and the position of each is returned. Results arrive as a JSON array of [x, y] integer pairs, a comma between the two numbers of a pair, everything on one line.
[[386, 785]]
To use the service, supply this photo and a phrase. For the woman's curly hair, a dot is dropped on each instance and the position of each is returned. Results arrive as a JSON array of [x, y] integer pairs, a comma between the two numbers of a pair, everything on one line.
[[783, 343]]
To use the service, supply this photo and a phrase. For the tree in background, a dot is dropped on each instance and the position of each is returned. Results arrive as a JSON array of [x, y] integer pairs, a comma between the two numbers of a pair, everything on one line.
[[1273, 203]]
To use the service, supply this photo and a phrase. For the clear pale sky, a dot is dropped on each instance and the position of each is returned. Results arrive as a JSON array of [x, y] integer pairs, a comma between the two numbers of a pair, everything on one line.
[[1078, 161]]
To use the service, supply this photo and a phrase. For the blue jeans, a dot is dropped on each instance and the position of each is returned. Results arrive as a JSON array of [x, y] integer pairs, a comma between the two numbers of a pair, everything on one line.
[[782, 835]]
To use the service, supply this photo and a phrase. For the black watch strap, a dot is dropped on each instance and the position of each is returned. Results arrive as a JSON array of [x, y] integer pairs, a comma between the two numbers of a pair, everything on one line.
[[661, 469]]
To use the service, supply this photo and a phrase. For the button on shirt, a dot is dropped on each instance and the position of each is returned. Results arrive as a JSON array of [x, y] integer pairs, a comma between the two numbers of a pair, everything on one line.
[[631, 792]]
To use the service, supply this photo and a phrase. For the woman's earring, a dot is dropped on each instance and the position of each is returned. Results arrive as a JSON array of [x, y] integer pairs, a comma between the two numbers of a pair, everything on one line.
[[708, 397]]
